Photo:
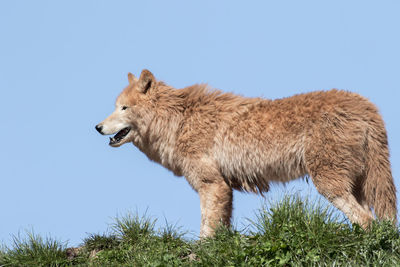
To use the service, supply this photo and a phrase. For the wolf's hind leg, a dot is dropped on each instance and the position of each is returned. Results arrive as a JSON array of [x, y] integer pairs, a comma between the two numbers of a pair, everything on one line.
[[359, 194], [337, 188], [353, 210], [216, 206]]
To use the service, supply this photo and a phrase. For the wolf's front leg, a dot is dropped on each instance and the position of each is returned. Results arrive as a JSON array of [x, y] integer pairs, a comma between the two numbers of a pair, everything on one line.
[[216, 206]]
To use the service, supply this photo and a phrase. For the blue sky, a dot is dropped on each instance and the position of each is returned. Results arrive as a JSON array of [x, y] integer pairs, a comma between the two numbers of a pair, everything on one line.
[[63, 63]]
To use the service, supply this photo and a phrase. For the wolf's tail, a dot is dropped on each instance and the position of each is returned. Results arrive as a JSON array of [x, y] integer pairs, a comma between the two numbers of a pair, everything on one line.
[[379, 187]]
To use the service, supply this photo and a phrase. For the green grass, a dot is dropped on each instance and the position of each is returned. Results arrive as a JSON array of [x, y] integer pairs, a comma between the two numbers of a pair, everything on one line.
[[293, 232], [33, 250]]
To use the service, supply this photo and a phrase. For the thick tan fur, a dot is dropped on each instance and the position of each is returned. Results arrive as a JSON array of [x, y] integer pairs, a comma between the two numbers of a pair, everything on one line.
[[221, 141]]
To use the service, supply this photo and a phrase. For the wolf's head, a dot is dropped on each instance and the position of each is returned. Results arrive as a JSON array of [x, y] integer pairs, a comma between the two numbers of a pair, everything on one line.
[[132, 112]]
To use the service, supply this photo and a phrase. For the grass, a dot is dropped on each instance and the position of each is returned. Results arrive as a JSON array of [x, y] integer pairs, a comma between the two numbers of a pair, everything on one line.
[[33, 250], [293, 232]]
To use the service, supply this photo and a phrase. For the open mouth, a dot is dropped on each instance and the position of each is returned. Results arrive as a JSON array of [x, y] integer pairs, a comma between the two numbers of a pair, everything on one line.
[[119, 136]]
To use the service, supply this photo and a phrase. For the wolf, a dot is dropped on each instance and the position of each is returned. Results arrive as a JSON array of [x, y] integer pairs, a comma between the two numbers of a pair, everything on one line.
[[222, 141]]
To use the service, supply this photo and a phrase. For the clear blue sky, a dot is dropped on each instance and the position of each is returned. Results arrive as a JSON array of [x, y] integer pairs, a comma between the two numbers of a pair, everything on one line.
[[63, 63]]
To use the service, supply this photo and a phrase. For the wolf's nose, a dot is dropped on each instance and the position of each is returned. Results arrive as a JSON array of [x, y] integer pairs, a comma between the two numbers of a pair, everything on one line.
[[99, 128]]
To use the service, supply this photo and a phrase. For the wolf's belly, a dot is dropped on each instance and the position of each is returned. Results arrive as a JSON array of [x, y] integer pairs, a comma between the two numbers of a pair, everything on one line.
[[253, 165]]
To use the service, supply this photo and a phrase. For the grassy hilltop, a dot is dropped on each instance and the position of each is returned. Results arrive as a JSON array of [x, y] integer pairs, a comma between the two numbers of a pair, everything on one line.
[[292, 232]]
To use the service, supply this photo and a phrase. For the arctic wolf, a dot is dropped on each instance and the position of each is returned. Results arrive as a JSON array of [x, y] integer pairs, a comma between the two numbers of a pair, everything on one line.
[[221, 141]]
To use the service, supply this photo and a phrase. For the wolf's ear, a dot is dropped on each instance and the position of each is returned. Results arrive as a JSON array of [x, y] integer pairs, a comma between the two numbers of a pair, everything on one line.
[[146, 81], [131, 78]]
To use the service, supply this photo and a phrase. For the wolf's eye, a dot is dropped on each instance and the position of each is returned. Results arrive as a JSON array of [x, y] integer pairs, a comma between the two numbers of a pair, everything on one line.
[[124, 107]]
